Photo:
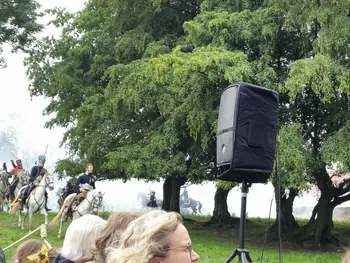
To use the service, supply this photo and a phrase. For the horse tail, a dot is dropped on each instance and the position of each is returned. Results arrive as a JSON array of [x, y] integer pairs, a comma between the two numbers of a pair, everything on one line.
[[57, 218], [14, 208], [199, 206]]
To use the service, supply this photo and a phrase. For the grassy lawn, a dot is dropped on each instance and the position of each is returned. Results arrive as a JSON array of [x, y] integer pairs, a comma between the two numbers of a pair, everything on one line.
[[212, 244]]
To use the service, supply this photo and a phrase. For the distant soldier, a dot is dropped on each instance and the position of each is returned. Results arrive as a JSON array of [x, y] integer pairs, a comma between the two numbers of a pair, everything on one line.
[[153, 201], [17, 168], [184, 195]]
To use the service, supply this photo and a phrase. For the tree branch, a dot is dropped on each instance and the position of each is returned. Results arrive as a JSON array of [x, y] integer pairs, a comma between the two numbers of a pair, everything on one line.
[[339, 181], [340, 200]]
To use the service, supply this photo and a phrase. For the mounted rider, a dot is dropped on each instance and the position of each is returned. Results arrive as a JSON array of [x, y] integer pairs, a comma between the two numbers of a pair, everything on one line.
[[184, 195], [37, 173], [17, 168], [85, 183], [153, 200]]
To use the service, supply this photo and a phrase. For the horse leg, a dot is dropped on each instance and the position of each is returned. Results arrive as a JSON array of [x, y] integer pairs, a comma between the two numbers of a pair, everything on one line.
[[61, 222], [19, 219], [24, 219], [30, 219], [44, 213], [60, 230], [194, 210]]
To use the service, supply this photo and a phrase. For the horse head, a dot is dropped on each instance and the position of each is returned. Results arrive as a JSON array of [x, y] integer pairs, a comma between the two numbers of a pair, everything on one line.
[[3, 175], [23, 177], [49, 181], [97, 201]]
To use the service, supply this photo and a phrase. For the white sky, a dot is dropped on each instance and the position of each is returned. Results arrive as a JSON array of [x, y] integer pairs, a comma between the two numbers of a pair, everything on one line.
[[26, 116]]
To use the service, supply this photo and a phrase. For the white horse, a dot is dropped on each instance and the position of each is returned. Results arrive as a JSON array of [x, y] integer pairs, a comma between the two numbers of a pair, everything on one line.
[[145, 200], [35, 202], [90, 205], [3, 190]]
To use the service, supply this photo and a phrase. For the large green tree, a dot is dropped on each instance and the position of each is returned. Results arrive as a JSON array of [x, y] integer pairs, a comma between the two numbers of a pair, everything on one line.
[[105, 38], [295, 40], [317, 86], [291, 176], [18, 24]]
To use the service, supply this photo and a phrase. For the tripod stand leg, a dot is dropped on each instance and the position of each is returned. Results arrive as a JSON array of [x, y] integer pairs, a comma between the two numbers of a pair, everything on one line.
[[232, 256], [248, 258], [243, 254]]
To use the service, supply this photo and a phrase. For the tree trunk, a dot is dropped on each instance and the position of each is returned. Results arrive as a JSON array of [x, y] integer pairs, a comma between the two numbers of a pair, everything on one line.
[[171, 193], [319, 228], [221, 215], [176, 184], [288, 222], [166, 194]]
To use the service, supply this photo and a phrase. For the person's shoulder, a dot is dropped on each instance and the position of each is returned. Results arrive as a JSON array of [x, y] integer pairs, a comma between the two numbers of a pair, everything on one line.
[[81, 174]]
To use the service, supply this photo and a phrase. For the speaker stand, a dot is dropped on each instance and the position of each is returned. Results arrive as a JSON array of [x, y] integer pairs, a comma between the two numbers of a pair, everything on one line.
[[243, 254]]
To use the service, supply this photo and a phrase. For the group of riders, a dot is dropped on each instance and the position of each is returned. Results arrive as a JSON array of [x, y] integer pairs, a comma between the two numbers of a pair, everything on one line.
[[84, 183]]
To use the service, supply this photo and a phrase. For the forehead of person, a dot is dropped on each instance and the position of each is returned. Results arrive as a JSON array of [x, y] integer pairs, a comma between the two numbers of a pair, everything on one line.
[[178, 253]]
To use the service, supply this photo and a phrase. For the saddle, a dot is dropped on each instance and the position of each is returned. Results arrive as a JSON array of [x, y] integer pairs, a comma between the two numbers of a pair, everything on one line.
[[78, 199]]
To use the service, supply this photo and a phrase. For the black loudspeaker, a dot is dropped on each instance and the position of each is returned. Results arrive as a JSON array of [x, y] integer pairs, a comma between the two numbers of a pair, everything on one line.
[[247, 131]]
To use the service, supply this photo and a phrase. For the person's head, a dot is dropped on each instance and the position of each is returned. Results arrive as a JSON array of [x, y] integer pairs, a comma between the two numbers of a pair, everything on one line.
[[155, 237], [89, 168], [19, 164], [32, 251], [81, 236], [153, 192], [110, 235], [41, 160]]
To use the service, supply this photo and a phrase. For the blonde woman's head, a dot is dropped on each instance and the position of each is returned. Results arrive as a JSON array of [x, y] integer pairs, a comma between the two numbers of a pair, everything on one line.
[[155, 237], [110, 235]]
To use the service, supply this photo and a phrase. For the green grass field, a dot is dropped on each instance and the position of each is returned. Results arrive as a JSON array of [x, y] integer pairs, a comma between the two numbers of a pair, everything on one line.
[[213, 245]]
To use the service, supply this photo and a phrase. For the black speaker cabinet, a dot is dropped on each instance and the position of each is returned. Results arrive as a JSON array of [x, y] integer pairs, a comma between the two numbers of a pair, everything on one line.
[[247, 131]]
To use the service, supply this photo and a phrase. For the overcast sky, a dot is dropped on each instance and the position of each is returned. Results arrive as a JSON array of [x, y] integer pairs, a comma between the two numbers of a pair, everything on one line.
[[16, 107], [17, 110]]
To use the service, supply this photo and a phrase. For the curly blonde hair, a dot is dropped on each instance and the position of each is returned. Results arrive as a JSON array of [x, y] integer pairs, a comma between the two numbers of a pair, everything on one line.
[[145, 238], [110, 235]]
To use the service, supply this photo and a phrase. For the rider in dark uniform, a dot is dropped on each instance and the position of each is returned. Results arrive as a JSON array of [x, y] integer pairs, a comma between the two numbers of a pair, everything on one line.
[[153, 201], [84, 178], [37, 173], [185, 200]]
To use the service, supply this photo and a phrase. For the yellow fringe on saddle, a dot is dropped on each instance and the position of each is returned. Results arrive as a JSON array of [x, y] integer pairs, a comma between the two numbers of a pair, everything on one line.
[[14, 202]]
